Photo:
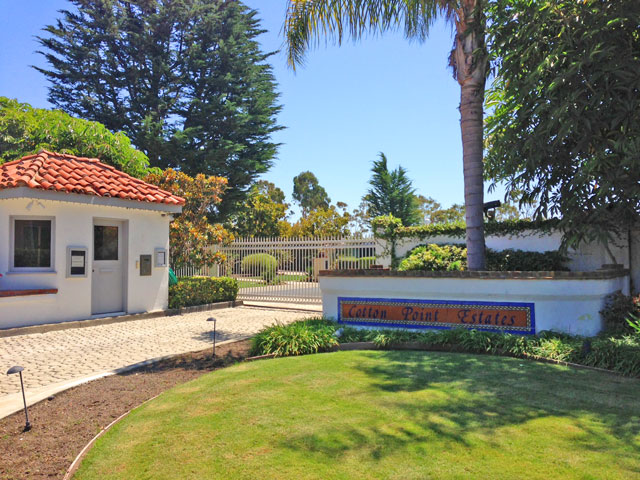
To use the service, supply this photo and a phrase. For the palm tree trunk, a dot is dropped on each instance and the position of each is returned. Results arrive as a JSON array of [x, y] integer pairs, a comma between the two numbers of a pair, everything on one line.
[[471, 125], [470, 63]]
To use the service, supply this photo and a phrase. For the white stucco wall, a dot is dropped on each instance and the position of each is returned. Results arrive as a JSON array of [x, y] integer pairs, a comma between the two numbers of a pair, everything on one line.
[[562, 305], [146, 230]]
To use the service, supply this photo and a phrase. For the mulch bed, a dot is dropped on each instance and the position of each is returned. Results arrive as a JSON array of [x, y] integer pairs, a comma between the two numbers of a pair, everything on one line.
[[63, 425]]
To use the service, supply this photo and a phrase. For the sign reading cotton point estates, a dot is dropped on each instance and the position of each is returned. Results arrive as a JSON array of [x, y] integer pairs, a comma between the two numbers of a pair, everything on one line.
[[508, 317]]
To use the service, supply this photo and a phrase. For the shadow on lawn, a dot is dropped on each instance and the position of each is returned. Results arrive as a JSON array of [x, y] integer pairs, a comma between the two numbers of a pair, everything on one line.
[[459, 395], [226, 355]]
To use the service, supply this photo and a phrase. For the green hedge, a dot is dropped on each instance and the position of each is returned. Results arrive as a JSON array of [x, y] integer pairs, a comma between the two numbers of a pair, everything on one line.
[[454, 257], [191, 291], [260, 265]]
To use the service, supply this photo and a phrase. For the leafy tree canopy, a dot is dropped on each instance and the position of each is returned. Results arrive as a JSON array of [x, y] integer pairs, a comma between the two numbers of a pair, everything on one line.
[[565, 129], [309, 193], [184, 79], [264, 213], [391, 193], [323, 222], [191, 234], [25, 130]]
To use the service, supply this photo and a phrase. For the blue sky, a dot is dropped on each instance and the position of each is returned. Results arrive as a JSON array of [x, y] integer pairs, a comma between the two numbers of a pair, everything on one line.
[[346, 104]]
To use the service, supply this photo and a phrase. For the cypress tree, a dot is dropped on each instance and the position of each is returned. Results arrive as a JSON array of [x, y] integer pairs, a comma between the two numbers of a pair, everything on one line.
[[186, 80]]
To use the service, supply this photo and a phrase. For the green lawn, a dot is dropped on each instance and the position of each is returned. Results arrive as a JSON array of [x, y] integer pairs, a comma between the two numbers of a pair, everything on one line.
[[381, 415]]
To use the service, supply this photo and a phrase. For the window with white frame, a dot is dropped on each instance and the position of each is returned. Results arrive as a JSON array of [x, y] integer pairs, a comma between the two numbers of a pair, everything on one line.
[[32, 243]]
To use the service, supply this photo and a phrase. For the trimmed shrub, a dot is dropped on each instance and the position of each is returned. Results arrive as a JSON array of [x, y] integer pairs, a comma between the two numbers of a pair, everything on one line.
[[437, 258], [618, 309], [260, 265], [297, 338], [510, 260], [434, 257], [191, 291]]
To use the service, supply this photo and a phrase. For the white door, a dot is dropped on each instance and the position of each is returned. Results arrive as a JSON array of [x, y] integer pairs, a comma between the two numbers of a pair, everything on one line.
[[107, 280]]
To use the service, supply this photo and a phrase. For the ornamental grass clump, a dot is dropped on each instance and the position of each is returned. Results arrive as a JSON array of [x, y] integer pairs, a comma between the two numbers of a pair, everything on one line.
[[298, 338]]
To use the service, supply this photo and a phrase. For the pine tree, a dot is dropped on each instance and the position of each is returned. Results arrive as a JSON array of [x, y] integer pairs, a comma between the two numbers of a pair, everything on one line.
[[184, 79], [391, 193]]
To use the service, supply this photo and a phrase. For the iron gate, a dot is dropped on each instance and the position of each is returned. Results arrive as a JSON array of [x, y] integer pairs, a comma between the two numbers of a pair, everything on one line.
[[286, 269]]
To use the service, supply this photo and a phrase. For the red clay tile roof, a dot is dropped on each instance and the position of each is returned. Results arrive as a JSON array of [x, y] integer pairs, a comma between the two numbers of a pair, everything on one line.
[[87, 176]]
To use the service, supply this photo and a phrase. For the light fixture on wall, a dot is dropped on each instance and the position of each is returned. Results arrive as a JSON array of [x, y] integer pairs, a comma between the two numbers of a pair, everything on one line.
[[490, 209], [19, 369]]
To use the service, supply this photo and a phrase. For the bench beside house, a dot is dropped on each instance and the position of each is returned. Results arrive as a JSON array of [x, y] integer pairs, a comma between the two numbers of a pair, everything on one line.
[[80, 239]]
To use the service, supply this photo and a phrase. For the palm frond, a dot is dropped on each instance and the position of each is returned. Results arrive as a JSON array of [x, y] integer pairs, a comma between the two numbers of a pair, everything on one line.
[[309, 20]]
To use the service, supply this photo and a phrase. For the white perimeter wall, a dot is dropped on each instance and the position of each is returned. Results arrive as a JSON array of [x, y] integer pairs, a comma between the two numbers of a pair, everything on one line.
[[562, 305], [586, 258], [147, 230]]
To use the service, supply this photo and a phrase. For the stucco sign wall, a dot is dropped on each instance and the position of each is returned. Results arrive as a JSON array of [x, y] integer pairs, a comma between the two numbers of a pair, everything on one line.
[[511, 317]]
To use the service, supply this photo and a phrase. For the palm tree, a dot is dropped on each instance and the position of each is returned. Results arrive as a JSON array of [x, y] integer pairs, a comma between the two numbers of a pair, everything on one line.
[[306, 20]]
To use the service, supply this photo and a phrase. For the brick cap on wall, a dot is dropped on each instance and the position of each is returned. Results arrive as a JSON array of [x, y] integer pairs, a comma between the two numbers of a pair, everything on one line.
[[549, 275]]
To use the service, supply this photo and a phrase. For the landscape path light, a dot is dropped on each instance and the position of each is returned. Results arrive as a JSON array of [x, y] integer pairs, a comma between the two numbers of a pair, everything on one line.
[[19, 369], [211, 319]]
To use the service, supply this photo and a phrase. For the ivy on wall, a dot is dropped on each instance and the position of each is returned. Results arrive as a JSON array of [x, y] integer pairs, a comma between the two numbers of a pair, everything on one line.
[[389, 228]]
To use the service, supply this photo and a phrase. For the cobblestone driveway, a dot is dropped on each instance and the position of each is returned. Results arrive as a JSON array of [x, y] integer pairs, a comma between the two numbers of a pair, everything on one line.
[[65, 355]]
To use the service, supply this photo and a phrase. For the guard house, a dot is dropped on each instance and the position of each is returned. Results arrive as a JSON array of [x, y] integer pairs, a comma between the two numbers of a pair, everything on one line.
[[80, 239]]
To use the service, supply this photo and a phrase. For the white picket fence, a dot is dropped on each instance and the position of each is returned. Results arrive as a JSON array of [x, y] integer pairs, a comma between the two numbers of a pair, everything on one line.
[[281, 269]]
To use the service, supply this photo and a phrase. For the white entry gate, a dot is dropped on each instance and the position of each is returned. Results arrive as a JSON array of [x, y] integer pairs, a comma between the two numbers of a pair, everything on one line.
[[286, 269]]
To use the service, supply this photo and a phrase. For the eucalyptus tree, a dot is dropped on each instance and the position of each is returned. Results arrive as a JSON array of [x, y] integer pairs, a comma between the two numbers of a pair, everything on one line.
[[307, 20]]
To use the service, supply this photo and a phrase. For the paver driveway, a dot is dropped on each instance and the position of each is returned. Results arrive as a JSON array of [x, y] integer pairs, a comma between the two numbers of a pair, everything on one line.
[[56, 357]]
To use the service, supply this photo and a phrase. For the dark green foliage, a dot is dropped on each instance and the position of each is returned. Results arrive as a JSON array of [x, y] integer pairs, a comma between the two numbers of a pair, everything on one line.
[[434, 257], [620, 354], [25, 130], [191, 291], [618, 309], [309, 193], [391, 193], [565, 129], [298, 338], [184, 79], [260, 265], [510, 260]]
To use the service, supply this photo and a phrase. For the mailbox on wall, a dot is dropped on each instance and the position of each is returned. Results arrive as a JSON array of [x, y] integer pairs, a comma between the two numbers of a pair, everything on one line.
[[77, 260], [145, 265], [160, 255]]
